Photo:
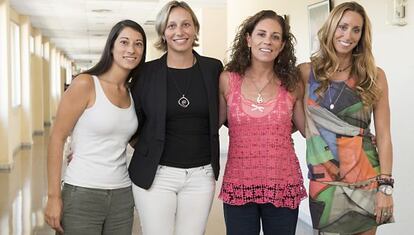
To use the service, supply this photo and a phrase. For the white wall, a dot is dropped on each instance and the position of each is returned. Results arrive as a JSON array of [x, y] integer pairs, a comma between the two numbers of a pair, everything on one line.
[[152, 52], [213, 32], [393, 50], [6, 159]]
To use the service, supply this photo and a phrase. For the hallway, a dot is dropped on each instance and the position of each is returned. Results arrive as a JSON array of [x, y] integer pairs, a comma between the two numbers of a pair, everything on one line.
[[25, 189]]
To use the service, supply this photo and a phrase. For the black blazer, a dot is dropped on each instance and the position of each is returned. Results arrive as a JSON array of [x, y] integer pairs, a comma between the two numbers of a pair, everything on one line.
[[149, 92]]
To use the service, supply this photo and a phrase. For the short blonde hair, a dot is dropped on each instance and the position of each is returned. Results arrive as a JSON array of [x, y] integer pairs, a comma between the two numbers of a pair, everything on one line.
[[162, 20]]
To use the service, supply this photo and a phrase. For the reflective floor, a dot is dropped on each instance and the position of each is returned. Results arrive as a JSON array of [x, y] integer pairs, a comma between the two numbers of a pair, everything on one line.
[[24, 189]]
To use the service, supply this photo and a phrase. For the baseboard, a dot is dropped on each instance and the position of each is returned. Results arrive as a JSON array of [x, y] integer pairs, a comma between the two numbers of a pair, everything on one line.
[[38, 133], [305, 218], [6, 166], [305, 222], [21, 147], [26, 145]]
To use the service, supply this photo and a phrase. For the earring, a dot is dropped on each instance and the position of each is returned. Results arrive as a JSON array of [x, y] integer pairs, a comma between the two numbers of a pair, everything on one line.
[[356, 50], [249, 53]]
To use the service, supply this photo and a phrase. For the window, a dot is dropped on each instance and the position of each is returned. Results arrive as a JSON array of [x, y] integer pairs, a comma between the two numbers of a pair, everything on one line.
[[41, 50], [45, 50], [15, 64]]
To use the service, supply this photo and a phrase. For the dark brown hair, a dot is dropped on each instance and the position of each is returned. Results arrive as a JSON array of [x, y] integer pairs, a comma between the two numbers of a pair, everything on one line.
[[106, 60], [285, 63]]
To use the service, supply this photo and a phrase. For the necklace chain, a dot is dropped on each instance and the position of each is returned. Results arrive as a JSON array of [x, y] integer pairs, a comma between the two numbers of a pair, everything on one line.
[[332, 105], [183, 101], [259, 98], [341, 70]]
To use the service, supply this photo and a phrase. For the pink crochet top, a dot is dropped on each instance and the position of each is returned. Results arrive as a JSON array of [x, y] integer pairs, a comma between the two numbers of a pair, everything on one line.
[[262, 166]]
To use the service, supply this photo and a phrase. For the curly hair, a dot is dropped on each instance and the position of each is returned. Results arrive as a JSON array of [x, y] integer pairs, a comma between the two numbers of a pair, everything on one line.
[[284, 65], [325, 60]]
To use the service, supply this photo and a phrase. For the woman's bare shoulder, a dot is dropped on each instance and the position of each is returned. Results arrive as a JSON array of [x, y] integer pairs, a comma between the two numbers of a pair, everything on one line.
[[304, 71]]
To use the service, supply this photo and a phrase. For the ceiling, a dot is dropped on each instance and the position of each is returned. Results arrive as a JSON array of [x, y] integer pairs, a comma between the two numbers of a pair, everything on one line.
[[79, 27]]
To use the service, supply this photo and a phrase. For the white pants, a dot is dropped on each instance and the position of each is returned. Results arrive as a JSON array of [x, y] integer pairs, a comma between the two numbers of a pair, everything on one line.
[[178, 202]]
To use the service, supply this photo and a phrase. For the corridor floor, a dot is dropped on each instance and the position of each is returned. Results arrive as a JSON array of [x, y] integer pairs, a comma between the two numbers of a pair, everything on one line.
[[24, 190]]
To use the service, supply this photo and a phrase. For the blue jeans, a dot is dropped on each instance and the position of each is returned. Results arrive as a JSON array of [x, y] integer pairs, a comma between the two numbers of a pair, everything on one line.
[[245, 219]]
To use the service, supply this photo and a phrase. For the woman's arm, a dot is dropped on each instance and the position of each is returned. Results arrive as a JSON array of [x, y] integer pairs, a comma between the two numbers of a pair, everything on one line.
[[383, 139], [73, 103], [223, 89], [136, 93], [382, 126], [298, 111]]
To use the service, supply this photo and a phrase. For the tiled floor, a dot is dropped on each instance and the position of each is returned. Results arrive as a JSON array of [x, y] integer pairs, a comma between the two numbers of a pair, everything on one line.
[[23, 196]]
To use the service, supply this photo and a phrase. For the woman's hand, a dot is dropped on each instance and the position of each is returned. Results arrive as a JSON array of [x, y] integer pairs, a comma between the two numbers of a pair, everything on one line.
[[53, 213], [384, 207]]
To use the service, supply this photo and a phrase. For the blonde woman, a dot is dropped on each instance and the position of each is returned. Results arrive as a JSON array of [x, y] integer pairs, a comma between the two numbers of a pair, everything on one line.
[[350, 179], [176, 158]]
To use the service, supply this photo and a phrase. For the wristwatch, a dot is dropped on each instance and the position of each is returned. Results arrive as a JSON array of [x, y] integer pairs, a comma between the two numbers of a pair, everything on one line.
[[386, 189]]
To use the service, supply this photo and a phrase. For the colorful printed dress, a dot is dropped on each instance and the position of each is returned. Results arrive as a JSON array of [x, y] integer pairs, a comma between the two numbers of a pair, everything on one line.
[[262, 166], [341, 158]]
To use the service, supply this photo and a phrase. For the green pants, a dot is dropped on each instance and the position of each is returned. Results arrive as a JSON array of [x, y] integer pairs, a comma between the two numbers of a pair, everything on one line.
[[88, 211]]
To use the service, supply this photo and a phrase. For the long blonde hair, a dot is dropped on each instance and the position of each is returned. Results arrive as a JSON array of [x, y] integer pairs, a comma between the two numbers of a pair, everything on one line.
[[325, 60]]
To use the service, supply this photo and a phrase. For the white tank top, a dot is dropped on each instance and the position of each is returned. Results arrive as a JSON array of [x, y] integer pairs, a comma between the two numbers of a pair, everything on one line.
[[99, 142]]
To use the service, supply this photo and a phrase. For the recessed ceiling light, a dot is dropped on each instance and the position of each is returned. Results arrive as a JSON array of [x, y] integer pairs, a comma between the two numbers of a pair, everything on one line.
[[149, 22], [101, 10]]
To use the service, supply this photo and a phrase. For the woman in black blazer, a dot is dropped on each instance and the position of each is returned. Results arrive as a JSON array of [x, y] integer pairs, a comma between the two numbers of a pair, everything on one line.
[[176, 158]]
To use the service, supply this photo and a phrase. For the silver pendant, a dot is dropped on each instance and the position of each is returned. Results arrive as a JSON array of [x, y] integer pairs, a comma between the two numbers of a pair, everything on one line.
[[183, 102], [332, 106], [259, 98]]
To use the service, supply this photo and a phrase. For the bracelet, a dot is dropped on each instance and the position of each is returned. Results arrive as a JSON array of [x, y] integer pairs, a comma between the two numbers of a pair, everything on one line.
[[385, 181]]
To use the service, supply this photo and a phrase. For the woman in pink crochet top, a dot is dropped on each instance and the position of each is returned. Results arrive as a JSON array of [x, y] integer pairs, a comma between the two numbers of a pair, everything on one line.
[[260, 96]]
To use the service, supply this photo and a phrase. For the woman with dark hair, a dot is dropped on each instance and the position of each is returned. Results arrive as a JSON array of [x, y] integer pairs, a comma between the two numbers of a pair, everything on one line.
[[260, 95], [98, 109], [176, 158], [350, 178]]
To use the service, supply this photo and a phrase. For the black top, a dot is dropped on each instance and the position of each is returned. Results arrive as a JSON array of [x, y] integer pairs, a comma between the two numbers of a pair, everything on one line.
[[149, 90], [187, 136]]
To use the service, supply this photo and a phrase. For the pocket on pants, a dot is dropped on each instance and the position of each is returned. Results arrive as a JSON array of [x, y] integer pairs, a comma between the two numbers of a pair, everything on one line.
[[208, 170]]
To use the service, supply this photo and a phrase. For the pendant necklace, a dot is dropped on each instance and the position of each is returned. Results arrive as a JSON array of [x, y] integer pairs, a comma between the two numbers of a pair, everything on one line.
[[332, 105], [259, 98], [183, 101]]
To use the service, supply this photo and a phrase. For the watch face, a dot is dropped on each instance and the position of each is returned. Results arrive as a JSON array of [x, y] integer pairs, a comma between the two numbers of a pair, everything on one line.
[[386, 189]]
